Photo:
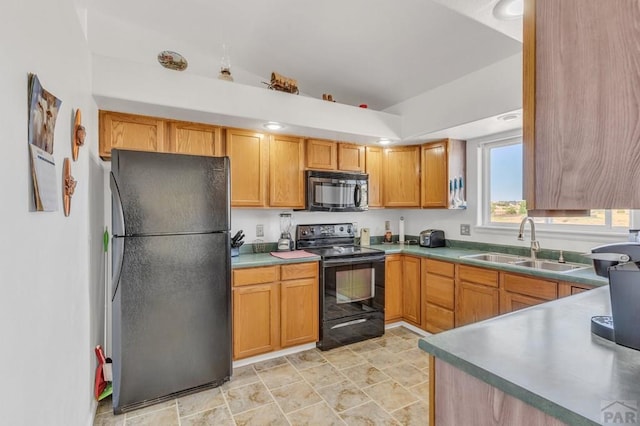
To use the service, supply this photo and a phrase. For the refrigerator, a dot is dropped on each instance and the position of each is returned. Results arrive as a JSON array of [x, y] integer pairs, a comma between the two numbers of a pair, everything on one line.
[[171, 297]]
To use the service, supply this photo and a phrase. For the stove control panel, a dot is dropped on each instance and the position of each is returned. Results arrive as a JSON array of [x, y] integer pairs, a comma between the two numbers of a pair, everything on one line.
[[320, 231]]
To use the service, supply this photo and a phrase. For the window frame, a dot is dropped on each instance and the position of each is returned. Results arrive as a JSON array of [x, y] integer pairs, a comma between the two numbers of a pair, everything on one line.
[[484, 196]]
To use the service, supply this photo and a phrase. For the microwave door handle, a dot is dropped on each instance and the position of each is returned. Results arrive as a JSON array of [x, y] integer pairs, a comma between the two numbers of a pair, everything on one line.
[[357, 196]]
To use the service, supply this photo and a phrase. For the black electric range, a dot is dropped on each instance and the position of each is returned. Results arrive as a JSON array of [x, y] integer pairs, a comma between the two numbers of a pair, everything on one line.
[[351, 284]]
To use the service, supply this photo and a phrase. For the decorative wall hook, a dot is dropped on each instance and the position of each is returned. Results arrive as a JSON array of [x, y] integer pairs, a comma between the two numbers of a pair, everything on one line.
[[68, 187], [79, 133]]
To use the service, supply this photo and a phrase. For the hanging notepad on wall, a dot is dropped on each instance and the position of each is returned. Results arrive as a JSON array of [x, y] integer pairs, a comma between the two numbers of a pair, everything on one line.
[[43, 171]]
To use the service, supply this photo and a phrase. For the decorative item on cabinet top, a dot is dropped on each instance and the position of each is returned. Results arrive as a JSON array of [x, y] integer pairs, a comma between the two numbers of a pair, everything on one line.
[[79, 134], [283, 84], [172, 60]]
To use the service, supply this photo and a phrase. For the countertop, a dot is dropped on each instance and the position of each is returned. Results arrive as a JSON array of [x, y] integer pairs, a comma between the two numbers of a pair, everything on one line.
[[547, 357], [449, 254]]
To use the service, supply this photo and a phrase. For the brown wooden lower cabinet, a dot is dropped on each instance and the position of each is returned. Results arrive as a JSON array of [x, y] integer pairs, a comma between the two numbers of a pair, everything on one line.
[[393, 288], [411, 294], [299, 312], [274, 307], [256, 319], [438, 301], [568, 289], [510, 302], [475, 302]]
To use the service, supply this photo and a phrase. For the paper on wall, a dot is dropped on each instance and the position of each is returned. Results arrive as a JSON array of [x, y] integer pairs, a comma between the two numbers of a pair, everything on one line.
[[43, 170]]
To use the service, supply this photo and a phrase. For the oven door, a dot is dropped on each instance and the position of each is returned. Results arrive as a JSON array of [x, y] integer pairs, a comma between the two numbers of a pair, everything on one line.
[[352, 286], [329, 194]]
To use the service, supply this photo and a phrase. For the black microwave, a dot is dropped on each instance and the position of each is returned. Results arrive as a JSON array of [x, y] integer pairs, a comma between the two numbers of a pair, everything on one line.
[[337, 191]]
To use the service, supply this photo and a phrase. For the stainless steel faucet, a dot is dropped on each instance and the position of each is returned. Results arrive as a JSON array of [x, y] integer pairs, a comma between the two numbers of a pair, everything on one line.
[[535, 245]]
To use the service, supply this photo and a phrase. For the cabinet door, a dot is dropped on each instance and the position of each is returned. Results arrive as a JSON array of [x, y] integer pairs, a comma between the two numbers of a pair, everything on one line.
[[256, 320], [435, 175], [126, 131], [373, 168], [393, 288], [411, 289], [197, 139], [249, 156], [401, 174], [286, 172], [568, 289], [510, 302], [475, 303], [351, 157], [299, 312], [438, 319], [580, 102], [322, 154]]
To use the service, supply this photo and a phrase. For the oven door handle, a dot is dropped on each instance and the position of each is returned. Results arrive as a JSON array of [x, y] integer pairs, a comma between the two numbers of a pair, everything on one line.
[[352, 261]]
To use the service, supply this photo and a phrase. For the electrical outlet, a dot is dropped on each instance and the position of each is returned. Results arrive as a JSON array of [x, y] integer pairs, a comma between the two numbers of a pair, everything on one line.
[[259, 230], [465, 229]]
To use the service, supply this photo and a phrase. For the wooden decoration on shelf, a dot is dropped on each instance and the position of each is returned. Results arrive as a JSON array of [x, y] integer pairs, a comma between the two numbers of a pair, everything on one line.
[[69, 186], [79, 133], [283, 84], [327, 97]]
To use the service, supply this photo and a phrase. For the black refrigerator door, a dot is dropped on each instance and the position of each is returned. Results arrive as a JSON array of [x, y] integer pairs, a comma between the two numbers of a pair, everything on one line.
[[171, 316], [157, 193]]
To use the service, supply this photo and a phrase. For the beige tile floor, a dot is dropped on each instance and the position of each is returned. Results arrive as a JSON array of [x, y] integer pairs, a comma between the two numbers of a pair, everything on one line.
[[382, 381]]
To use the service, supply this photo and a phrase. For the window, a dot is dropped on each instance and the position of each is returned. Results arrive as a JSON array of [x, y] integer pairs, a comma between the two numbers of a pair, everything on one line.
[[503, 203]]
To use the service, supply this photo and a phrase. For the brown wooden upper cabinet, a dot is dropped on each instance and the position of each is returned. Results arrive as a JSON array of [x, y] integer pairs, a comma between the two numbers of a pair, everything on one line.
[[249, 155], [351, 157], [401, 176], [442, 161], [126, 131], [322, 154], [374, 170], [197, 139], [142, 133], [581, 83], [286, 172]]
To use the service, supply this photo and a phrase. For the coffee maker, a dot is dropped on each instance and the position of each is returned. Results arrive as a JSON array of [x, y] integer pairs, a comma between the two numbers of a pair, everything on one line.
[[285, 243], [621, 264]]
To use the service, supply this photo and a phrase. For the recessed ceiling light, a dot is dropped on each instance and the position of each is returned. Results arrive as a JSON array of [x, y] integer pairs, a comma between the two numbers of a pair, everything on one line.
[[384, 141], [508, 9], [272, 125], [509, 117]]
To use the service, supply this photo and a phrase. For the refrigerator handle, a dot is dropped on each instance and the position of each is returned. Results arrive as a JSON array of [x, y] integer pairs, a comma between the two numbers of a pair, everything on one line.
[[117, 253], [117, 213]]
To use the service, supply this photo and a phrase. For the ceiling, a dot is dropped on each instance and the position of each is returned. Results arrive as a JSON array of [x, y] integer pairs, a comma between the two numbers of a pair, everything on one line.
[[374, 52]]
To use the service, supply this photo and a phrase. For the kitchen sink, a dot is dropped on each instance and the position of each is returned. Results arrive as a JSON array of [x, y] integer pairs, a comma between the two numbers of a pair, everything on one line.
[[496, 257], [551, 266], [546, 265]]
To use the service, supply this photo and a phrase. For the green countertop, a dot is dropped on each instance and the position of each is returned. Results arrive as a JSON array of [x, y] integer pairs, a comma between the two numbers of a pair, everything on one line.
[[449, 254], [547, 357]]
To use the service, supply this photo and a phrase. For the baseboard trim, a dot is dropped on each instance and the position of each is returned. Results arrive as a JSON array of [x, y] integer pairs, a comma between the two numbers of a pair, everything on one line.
[[271, 355]]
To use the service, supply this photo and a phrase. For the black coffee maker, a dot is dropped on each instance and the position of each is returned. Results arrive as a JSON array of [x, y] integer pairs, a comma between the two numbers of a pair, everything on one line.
[[621, 264]]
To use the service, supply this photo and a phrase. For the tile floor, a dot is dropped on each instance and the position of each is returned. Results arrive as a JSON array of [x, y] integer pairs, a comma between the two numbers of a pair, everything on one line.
[[382, 381]]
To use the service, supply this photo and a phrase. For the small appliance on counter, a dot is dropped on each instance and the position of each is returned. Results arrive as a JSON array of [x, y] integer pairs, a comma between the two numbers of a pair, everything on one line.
[[432, 238], [621, 263], [285, 243]]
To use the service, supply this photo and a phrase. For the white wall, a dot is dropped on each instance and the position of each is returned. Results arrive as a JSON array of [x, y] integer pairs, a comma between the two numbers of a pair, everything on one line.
[[50, 265]]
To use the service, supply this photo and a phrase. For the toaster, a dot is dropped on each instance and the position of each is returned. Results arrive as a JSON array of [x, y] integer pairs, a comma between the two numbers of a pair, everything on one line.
[[432, 238]]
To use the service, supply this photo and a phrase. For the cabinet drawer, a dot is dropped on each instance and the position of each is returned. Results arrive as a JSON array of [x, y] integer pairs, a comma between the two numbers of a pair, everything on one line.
[[438, 319], [441, 268], [530, 286], [478, 275], [266, 274], [299, 270], [440, 291]]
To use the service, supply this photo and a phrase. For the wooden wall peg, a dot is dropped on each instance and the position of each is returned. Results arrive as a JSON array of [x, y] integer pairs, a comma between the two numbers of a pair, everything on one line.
[[79, 133], [68, 187]]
